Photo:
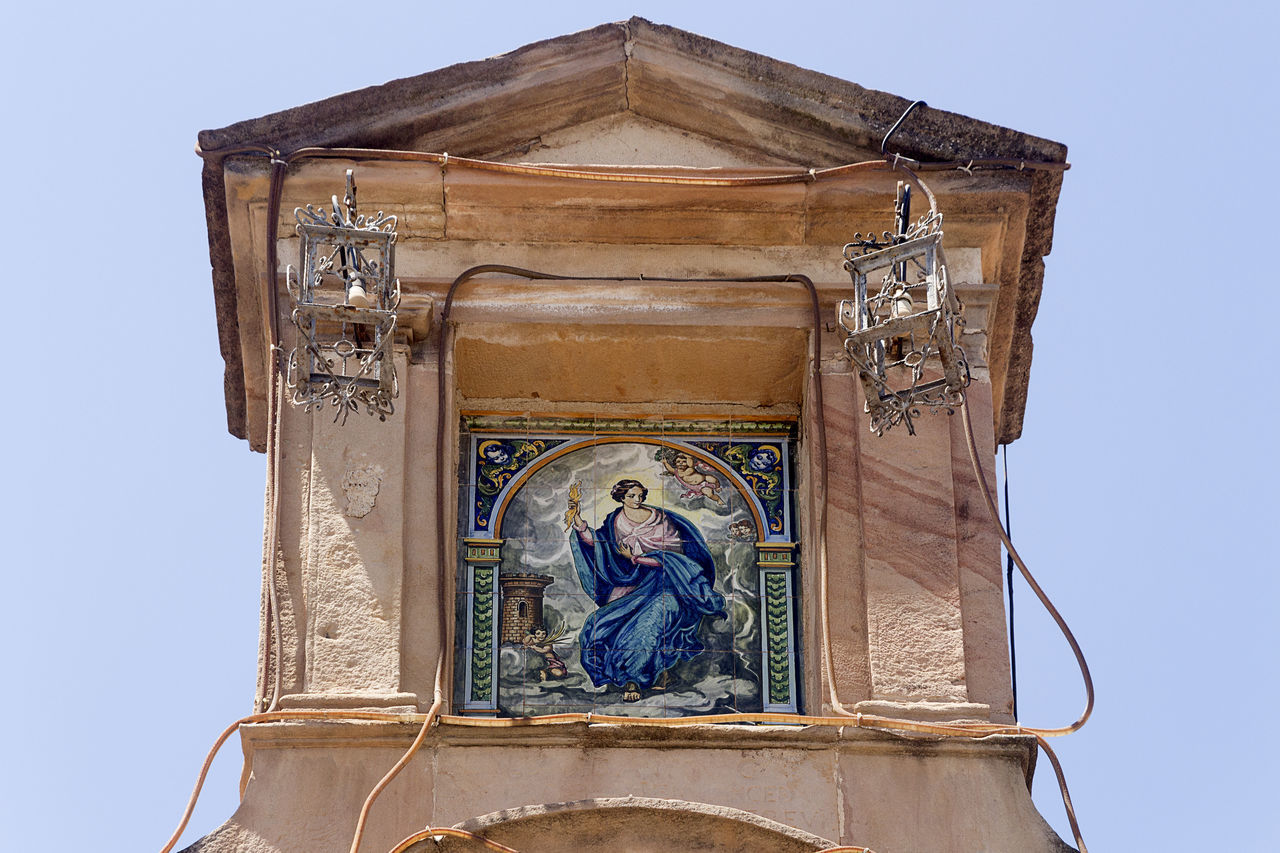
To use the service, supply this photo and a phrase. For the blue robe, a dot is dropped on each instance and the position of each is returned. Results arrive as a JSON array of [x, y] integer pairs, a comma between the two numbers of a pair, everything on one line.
[[640, 635]]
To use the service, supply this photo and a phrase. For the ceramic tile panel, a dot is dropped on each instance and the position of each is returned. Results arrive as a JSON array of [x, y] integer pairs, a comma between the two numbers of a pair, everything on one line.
[[642, 567]]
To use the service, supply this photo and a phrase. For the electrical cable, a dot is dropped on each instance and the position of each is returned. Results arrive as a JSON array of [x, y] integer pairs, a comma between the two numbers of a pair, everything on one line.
[[966, 730], [272, 717], [843, 718], [432, 713], [800, 176], [278, 681], [815, 369], [1067, 805], [897, 124], [271, 543], [888, 725], [433, 832], [1031, 582], [1008, 571], [268, 693]]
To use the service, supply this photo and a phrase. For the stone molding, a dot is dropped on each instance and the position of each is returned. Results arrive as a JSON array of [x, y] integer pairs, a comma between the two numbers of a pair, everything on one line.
[[665, 75], [711, 827], [582, 735]]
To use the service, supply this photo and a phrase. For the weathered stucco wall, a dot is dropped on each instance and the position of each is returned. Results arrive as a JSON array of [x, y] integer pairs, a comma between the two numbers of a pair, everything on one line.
[[813, 787], [909, 564], [915, 591], [914, 576], [915, 584]]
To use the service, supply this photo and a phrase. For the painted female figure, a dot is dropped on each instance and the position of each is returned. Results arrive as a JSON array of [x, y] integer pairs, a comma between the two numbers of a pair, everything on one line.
[[651, 575]]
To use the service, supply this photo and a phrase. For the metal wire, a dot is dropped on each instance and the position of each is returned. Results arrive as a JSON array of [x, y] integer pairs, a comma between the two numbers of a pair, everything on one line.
[[801, 175], [844, 717], [434, 832], [432, 714], [897, 124], [274, 642], [1013, 645], [1031, 582]]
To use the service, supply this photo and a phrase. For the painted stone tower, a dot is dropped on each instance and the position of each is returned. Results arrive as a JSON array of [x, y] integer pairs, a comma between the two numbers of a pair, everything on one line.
[[521, 596], [573, 501]]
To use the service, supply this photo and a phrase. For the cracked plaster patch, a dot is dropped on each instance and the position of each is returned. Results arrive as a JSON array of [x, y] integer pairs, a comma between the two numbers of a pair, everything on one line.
[[360, 486]]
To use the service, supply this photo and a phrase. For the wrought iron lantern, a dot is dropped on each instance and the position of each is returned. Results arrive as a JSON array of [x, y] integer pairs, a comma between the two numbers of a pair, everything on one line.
[[902, 337], [344, 308]]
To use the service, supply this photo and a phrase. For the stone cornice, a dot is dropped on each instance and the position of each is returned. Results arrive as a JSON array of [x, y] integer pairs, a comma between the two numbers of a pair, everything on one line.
[[783, 113]]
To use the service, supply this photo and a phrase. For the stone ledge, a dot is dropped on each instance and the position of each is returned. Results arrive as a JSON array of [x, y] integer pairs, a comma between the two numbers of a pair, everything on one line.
[[855, 785], [392, 703], [582, 735], [664, 824], [927, 712]]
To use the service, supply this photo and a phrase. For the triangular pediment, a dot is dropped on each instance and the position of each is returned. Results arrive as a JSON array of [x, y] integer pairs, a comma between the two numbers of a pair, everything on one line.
[[713, 95], [627, 139]]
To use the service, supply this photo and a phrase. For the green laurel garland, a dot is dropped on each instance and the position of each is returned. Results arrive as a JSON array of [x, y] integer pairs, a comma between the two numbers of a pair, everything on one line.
[[482, 636], [775, 587]]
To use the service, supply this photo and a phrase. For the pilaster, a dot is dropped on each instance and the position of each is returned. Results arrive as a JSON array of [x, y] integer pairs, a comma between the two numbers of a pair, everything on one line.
[[354, 562]]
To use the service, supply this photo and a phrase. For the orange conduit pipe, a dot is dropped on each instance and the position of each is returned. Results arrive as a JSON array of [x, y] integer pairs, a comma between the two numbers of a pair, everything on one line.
[[432, 714], [274, 717], [845, 718], [273, 646], [800, 176], [1031, 581], [443, 350], [889, 725], [968, 730], [433, 832]]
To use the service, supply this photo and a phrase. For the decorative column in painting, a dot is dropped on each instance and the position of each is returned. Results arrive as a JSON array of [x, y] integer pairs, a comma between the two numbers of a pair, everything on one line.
[[483, 556], [777, 567]]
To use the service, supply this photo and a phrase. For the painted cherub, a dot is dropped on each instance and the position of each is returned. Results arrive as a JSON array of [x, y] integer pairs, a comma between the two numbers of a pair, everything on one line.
[[538, 641], [698, 478]]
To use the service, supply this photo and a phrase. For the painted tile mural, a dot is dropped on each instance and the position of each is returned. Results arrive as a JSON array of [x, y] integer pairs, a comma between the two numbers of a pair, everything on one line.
[[642, 568]]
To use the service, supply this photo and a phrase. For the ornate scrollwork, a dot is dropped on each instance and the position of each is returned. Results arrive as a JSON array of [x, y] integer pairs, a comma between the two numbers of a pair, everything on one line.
[[345, 304], [336, 218], [344, 214], [902, 338], [342, 373], [929, 223]]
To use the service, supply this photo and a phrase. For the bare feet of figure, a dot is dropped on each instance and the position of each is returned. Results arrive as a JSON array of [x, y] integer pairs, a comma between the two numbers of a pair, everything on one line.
[[631, 693]]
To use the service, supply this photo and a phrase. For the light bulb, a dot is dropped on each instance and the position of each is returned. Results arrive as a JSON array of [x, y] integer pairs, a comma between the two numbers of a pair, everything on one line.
[[902, 305], [356, 297]]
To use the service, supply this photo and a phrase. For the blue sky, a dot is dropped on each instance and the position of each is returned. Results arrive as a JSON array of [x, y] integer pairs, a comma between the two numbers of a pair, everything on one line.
[[1142, 489]]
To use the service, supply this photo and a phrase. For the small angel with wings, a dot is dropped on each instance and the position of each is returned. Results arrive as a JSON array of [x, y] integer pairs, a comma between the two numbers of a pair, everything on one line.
[[698, 478], [537, 640]]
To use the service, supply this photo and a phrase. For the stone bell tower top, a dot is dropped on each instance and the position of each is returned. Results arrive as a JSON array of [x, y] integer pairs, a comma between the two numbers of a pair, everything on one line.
[[638, 93], [622, 411]]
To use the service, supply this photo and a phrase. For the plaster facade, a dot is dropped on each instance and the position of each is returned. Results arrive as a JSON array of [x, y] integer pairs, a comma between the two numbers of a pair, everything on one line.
[[915, 591]]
